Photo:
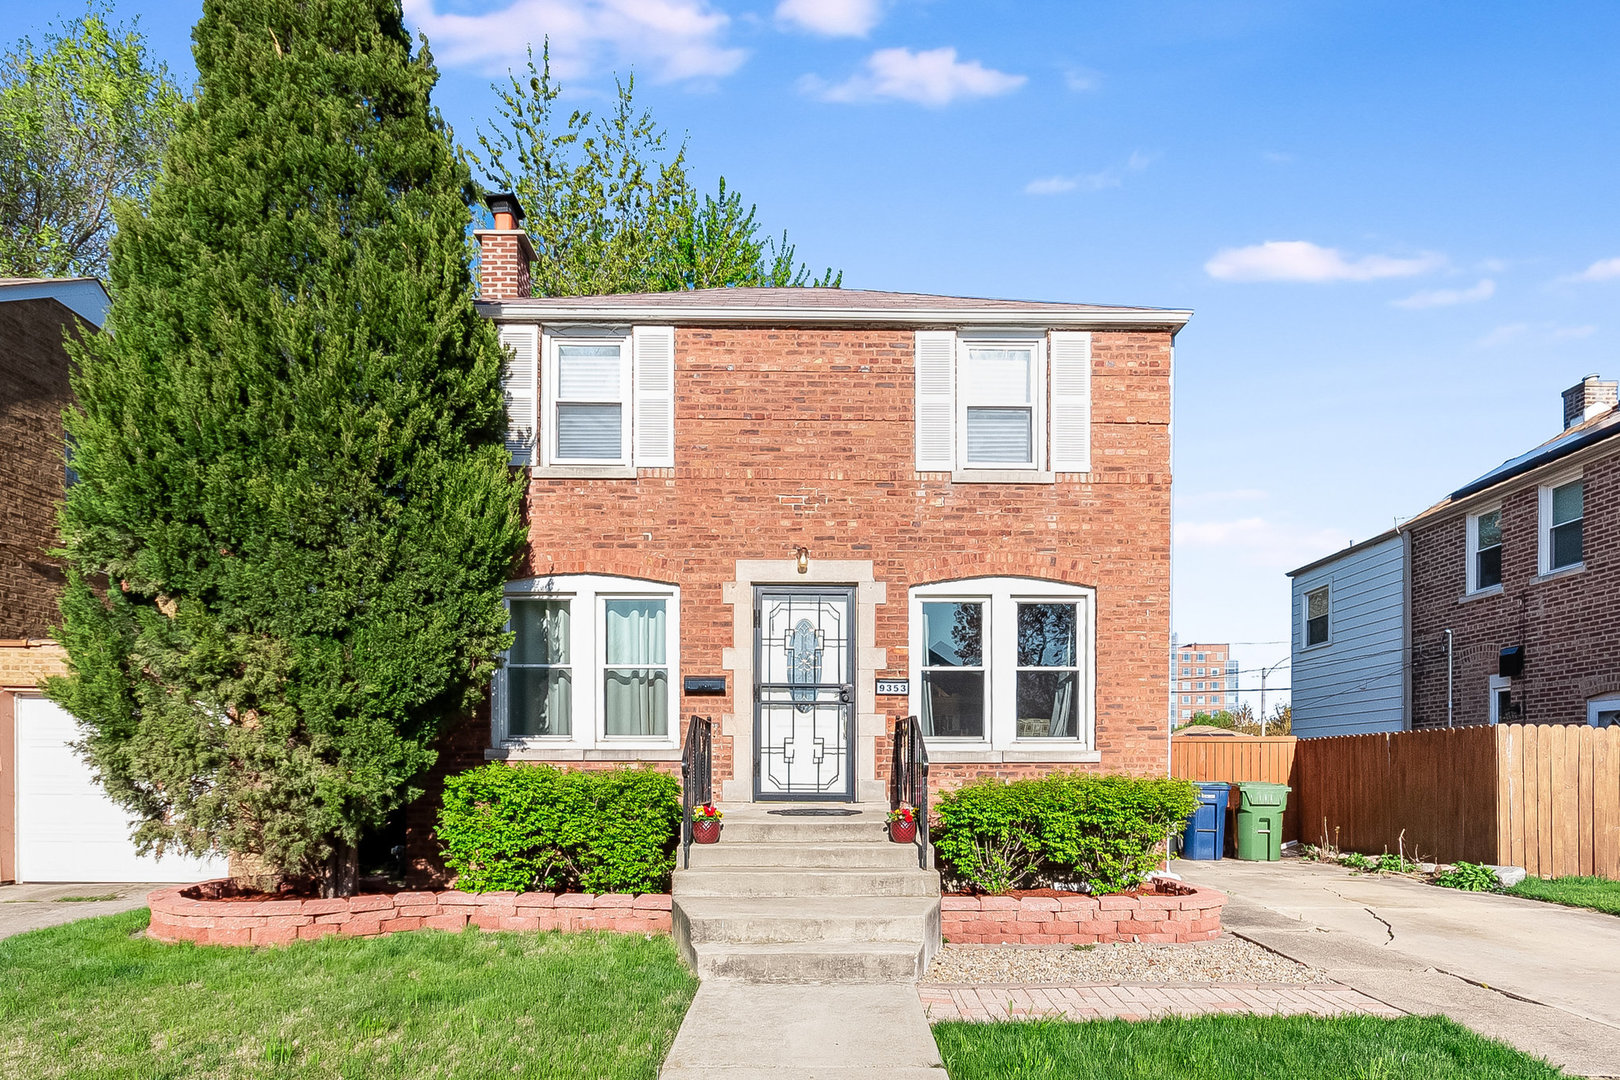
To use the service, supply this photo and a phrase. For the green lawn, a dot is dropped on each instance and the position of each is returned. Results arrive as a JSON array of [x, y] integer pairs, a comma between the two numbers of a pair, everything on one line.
[[94, 1000], [1230, 1048], [1587, 892]]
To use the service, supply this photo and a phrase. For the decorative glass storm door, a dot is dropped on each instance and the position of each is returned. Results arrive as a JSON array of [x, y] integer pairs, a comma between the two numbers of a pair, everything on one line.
[[804, 693]]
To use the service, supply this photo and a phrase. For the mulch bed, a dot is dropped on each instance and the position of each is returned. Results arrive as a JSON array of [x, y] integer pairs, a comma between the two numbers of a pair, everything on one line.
[[1157, 887]]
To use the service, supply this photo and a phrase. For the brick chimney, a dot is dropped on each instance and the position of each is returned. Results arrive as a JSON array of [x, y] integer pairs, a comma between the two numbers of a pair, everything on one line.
[[504, 252], [1587, 398]]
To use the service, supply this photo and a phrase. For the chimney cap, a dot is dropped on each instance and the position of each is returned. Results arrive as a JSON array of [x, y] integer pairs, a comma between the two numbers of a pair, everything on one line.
[[504, 202]]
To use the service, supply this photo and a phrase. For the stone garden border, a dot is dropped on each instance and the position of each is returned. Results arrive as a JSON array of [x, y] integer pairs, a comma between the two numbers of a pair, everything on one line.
[[277, 922], [1082, 920]]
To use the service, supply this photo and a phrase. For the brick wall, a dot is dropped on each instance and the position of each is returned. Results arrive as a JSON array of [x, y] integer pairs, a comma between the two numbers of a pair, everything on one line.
[[1568, 623], [33, 393]]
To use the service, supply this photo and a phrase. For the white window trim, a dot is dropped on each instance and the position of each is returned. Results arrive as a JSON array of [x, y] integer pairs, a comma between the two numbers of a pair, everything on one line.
[[1498, 683], [1001, 597], [1471, 584], [548, 394], [1602, 703], [1035, 340], [588, 593], [1305, 616], [1544, 500]]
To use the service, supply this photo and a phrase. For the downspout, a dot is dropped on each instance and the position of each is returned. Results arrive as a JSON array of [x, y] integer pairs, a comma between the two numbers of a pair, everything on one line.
[[1170, 611], [1448, 677]]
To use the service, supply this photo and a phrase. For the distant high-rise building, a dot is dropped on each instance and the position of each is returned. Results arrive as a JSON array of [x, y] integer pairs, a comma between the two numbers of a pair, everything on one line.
[[1203, 679]]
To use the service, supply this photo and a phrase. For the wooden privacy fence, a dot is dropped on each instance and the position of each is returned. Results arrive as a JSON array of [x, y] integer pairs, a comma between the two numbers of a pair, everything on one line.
[[1545, 797]]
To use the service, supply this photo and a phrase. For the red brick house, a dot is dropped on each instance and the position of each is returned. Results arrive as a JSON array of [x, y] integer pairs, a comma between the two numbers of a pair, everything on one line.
[[807, 512]]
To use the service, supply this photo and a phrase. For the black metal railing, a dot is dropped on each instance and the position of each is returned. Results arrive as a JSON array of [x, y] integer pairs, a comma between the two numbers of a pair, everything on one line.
[[908, 779], [697, 781]]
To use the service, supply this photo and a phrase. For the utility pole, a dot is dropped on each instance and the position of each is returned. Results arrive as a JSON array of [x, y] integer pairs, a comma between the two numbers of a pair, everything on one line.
[[1264, 672]]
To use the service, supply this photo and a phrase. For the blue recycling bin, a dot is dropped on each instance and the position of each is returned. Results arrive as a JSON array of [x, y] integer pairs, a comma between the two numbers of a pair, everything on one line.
[[1205, 835]]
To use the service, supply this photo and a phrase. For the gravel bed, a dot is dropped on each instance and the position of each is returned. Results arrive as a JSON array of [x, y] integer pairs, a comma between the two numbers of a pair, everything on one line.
[[1226, 960]]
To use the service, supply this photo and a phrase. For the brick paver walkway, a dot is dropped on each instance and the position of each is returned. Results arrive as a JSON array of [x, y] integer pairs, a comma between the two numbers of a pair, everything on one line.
[[1093, 1002]]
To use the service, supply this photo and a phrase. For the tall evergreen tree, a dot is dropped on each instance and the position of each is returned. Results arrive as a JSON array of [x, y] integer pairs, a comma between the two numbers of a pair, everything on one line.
[[294, 515]]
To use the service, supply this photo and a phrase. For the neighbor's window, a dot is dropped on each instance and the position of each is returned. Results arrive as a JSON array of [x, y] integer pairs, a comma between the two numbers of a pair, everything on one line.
[[1316, 616], [540, 698], [1048, 671], [953, 696], [1562, 512], [1485, 550], [1000, 384], [589, 401]]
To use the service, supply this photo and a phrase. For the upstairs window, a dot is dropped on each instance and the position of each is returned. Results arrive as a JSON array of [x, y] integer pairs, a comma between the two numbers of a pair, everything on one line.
[[999, 383], [1562, 513], [589, 399], [1485, 550], [1316, 617]]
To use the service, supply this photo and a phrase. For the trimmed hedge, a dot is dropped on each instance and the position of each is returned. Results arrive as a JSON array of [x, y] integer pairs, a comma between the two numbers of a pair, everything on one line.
[[535, 827], [1099, 833]]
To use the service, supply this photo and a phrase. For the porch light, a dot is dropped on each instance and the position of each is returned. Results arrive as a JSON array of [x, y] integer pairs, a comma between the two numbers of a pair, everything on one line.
[[803, 556]]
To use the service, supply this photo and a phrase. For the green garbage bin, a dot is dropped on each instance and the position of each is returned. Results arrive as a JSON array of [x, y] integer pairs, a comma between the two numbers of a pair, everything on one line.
[[1259, 820]]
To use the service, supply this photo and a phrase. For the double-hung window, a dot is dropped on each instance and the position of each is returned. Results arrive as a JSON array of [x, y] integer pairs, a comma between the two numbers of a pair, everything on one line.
[[1485, 550], [1317, 609], [1562, 513], [1000, 663], [1002, 404], [592, 664], [589, 401]]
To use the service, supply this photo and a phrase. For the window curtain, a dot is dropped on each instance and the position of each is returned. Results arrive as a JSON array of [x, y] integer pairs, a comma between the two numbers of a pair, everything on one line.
[[636, 690], [1062, 704]]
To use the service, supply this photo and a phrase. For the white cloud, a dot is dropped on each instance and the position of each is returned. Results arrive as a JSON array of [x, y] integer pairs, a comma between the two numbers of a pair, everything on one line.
[[1277, 157], [1205, 498], [1259, 542], [832, 18], [1301, 260], [1081, 80], [673, 39], [934, 77], [1446, 297], [1534, 334], [1107, 178], [1602, 270]]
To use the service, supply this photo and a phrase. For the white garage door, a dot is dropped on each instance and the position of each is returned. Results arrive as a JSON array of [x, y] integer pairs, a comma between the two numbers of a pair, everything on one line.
[[67, 828]]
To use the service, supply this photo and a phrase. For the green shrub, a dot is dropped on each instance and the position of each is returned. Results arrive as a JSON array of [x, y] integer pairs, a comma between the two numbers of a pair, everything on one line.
[[1101, 833], [537, 827], [1469, 877]]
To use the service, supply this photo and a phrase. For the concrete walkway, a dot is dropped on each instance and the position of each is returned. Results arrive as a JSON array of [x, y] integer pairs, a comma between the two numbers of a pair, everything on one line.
[[34, 907], [849, 1031], [1540, 977], [1139, 1002]]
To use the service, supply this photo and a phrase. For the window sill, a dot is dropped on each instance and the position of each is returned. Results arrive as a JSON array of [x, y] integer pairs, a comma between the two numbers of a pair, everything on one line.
[[581, 753], [1024, 752], [1002, 476], [583, 472], [1480, 594], [1561, 572]]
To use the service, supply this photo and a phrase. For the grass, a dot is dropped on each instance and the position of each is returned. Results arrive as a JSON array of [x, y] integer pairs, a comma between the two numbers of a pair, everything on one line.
[[1230, 1048], [1597, 893], [96, 1000]]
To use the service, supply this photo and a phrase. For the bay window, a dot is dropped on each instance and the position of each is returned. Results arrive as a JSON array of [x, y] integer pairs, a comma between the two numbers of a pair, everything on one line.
[[592, 665], [1003, 664]]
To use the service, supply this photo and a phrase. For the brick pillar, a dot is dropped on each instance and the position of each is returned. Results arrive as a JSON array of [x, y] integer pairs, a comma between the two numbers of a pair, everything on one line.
[[504, 252]]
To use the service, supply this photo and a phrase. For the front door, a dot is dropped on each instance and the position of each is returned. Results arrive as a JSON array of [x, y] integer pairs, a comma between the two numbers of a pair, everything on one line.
[[804, 693]]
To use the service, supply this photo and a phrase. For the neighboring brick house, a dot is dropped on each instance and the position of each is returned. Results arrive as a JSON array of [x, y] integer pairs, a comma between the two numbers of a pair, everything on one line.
[[849, 506], [1501, 598]]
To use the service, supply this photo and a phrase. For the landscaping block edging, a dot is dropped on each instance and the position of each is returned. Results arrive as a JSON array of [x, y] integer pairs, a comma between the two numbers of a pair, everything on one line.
[[1081, 920], [277, 922]]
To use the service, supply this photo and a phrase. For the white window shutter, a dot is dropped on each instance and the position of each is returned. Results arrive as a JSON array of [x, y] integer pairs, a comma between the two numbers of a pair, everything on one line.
[[1071, 401], [936, 400], [520, 384], [654, 394]]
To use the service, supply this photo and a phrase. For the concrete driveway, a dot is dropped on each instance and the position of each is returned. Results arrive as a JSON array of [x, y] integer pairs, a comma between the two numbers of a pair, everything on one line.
[[33, 907], [1541, 977]]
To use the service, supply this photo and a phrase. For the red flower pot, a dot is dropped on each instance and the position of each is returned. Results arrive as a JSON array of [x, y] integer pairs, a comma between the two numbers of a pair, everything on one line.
[[706, 831], [903, 832]]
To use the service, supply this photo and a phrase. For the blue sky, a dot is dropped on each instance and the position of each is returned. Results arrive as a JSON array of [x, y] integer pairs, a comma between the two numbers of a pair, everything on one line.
[[1395, 221]]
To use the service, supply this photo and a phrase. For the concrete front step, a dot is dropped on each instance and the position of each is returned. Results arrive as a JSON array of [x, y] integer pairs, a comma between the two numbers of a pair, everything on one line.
[[786, 919], [798, 881], [754, 826], [814, 962], [870, 854]]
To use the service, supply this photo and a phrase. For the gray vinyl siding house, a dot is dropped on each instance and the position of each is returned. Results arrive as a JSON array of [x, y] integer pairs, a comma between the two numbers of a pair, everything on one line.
[[1350, 674]]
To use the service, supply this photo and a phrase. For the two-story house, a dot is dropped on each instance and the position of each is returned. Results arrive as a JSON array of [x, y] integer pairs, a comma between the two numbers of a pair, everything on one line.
[[1495, 605], [806, 512]]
